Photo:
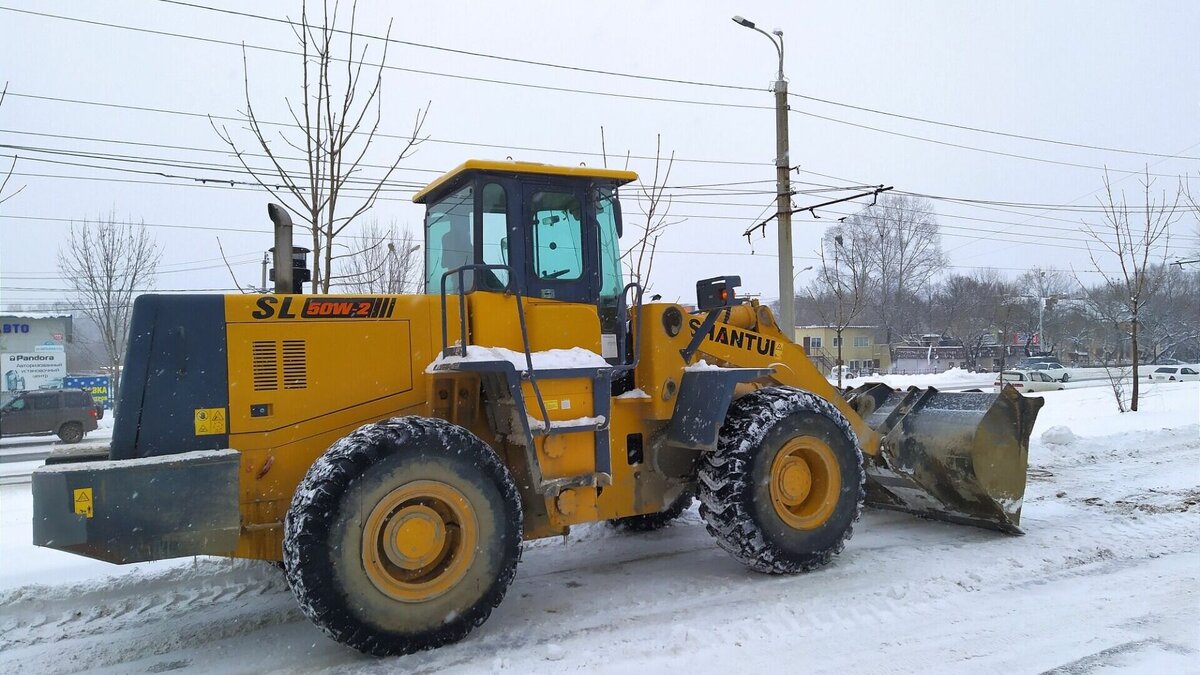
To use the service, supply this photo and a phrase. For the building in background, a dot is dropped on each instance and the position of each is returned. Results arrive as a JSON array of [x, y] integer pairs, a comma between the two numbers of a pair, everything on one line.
[[930, 353], [862, 351], [33, 350]]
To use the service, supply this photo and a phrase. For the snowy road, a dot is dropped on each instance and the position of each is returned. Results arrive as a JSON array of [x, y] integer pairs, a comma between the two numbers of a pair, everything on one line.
[[1107, 577]]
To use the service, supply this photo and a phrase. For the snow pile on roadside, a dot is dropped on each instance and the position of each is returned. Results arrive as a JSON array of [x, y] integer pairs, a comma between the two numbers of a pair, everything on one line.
[[1059, 435], [955, 377], [1092, 411]]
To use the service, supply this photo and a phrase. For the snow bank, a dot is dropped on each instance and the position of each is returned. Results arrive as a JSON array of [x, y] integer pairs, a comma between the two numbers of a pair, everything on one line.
[[1059, 435]]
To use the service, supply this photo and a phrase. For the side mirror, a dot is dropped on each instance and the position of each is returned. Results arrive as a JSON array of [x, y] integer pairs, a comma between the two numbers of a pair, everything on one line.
[[717, 292]]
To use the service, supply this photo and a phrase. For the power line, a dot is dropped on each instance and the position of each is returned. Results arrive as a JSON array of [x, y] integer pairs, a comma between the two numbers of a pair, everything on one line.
[[971, 147], [275, 50], [416, 71], [977, 203], [213, 183], [464, 52], [444, 141], [697, 83]]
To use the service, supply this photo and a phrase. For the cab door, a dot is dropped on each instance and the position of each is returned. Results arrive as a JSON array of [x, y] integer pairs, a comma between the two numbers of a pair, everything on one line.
[[560, 244]]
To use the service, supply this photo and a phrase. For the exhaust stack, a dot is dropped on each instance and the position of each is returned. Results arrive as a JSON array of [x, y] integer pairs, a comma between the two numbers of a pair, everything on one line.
[[289, 275]]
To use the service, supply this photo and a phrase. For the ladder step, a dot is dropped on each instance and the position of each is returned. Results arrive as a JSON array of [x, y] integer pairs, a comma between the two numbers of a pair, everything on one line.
[[538, 427]]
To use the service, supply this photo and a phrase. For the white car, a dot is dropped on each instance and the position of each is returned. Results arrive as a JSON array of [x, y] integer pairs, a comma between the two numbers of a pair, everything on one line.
[[1026, 381], [1175, 374], [1055, 370]]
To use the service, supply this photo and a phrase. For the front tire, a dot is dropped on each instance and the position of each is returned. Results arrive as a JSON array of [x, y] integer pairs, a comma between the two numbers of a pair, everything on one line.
[[785, 485], [403, 536]]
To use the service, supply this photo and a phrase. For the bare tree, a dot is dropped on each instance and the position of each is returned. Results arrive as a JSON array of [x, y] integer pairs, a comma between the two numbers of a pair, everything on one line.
[[843, 278], [334, 126], [899, 237], [1139, 238], [1171, 316], [655, 205], [7, 175], [389, 261], [967, 305], [106, 264]]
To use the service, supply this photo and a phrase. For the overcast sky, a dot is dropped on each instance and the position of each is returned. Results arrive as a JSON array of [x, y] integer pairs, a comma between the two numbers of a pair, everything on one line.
[[1122, 75]]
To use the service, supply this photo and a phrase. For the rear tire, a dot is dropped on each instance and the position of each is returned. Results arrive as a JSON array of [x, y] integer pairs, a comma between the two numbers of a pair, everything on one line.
[[655, 521], [71, 432], [785, 485], [403, 536]]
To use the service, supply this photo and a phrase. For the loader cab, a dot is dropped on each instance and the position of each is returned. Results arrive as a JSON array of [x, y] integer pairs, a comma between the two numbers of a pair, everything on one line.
[[554, 229]]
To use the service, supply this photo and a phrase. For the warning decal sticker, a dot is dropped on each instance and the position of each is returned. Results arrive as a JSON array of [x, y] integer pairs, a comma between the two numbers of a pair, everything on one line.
[[210, 421], [83, 502]]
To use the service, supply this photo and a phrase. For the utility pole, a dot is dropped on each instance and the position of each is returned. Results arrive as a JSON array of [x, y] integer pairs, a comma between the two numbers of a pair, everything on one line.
[[266, 261], [783, 188]]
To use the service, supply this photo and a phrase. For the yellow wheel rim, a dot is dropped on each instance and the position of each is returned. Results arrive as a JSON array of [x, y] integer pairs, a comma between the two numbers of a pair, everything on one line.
[[805, 482], [419, 541]]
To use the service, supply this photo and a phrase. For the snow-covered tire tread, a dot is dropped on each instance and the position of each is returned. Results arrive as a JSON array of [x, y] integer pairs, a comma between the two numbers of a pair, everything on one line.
[[317, 501], [725, 482]]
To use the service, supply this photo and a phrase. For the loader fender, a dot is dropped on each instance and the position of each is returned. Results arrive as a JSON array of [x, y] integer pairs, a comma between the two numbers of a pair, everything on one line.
[[704, 397]]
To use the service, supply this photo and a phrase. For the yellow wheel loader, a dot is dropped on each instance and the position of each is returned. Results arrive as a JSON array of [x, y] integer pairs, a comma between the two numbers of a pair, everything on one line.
[[393, 451]]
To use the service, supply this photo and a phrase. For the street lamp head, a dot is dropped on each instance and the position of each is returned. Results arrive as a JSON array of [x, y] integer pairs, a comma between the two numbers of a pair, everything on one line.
[[743, 22], [777, 32]]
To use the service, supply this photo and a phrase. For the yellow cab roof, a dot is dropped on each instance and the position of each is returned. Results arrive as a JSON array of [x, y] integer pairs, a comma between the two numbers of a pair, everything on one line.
[[471, 165]]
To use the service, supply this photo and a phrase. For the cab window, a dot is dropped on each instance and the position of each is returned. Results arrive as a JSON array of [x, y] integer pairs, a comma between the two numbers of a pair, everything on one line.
[[556, 236], [495, 235], [611, 281], [449, 241]]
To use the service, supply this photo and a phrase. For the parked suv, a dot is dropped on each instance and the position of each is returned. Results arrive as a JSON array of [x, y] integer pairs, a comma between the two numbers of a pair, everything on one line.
[[70, 413]]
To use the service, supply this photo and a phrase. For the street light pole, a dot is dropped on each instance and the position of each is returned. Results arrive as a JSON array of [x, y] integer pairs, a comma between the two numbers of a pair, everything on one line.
[[837, 273], [783, 187]]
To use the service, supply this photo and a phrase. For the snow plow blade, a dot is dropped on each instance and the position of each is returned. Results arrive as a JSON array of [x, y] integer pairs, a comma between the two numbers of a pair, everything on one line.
[[958, 457]]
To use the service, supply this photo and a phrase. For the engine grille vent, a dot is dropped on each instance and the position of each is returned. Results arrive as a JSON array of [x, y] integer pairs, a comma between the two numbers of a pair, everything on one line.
[[266, 365], [295, 364], [266, 356]]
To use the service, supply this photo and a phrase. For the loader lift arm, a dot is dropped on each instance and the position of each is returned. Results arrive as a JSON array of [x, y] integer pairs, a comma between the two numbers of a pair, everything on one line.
[[948, 456]]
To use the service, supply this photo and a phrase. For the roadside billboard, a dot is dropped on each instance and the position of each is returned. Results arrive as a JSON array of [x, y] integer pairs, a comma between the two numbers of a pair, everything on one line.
[[22, 371], [96, 385]]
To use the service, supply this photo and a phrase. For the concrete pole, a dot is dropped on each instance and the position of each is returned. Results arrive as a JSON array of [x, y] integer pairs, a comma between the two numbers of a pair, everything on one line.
[[783, 187]]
